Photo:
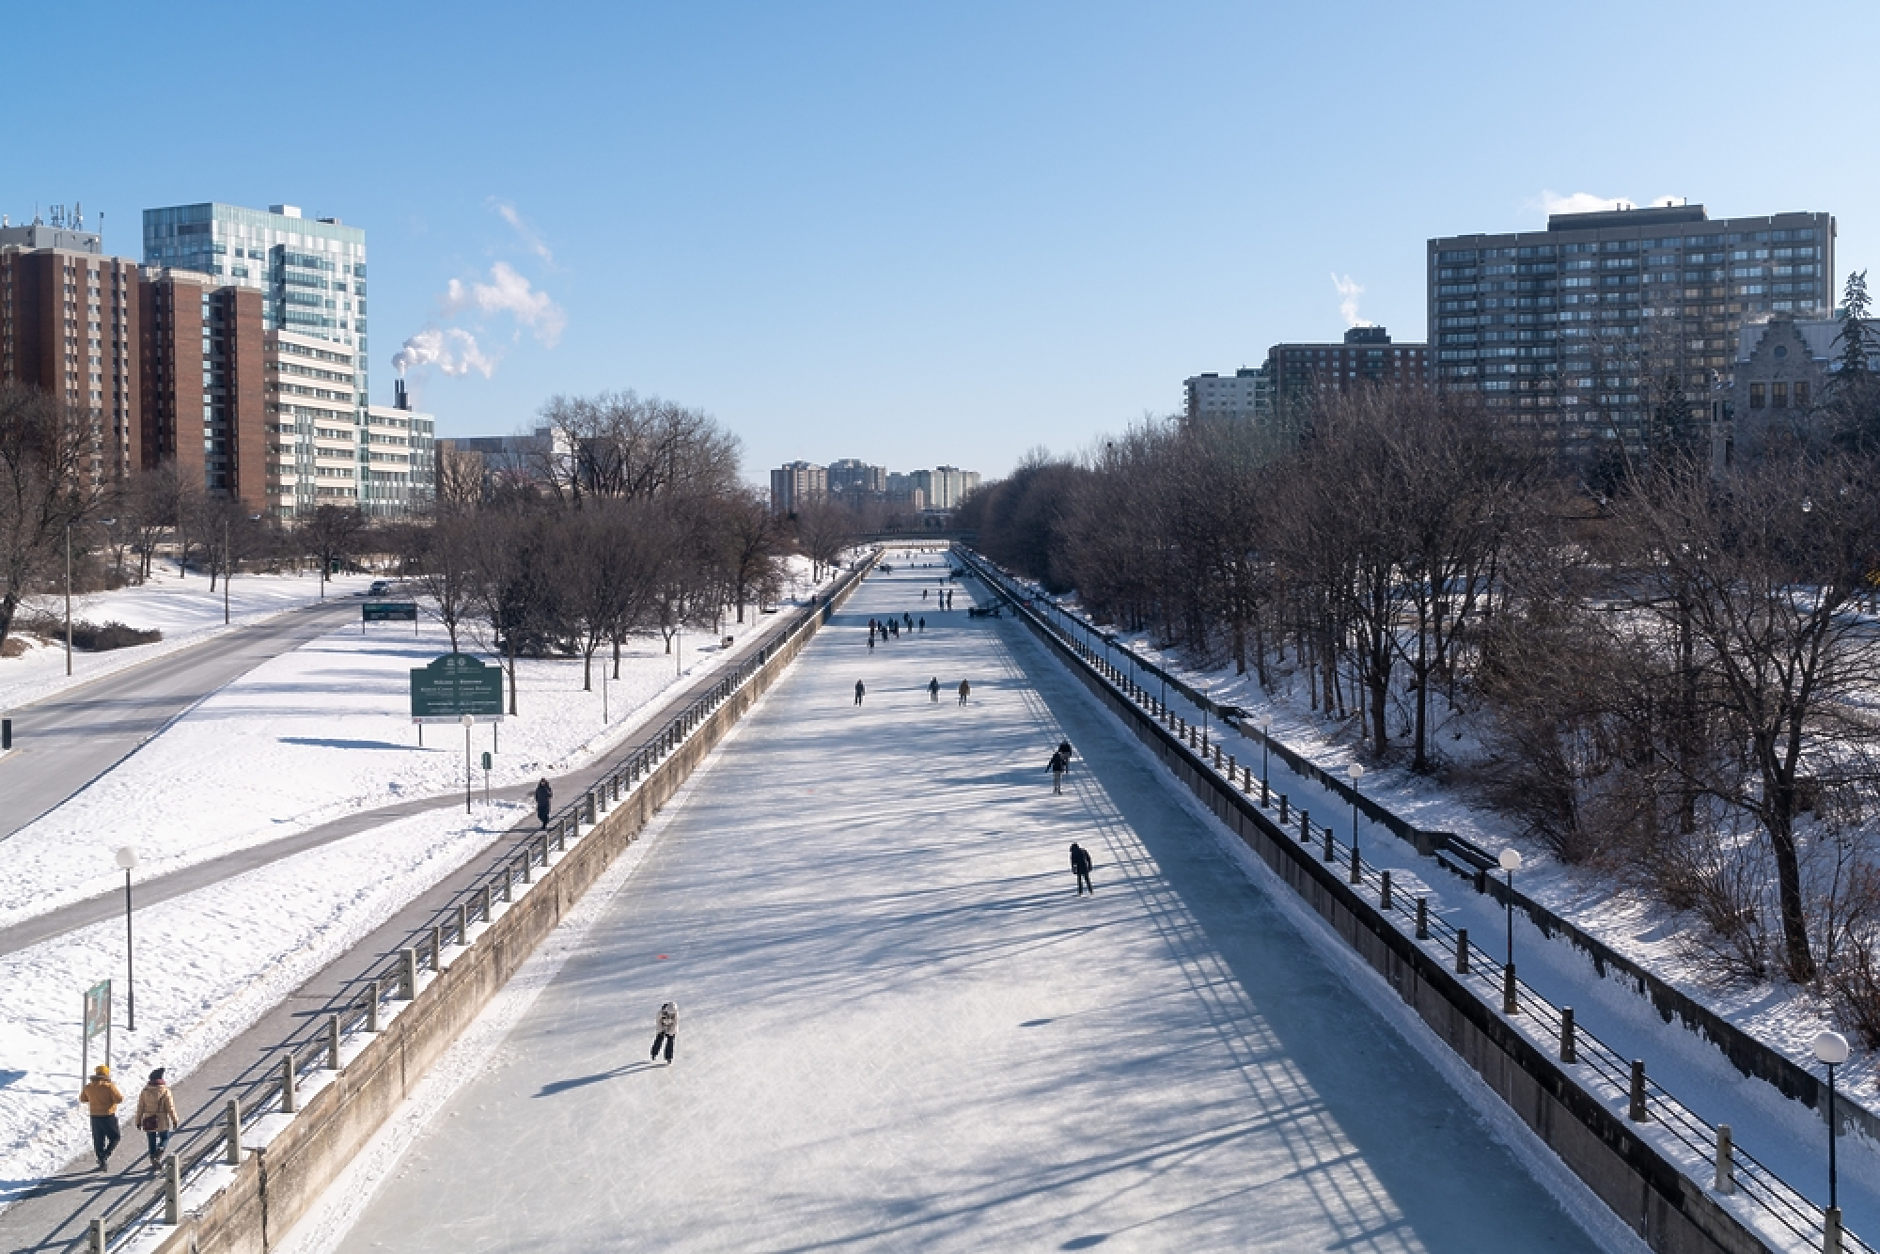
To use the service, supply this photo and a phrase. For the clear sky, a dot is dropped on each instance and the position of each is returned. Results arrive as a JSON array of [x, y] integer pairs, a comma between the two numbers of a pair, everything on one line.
[[918, 233]]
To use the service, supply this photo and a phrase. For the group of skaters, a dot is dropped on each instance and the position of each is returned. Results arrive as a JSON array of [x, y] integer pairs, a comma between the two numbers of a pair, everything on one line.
[[156, 1115], [890, 627], [944, 596], [1059, 766], [933, 690]]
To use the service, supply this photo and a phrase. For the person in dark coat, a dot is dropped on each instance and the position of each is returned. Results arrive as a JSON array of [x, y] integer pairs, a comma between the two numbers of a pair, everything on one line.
[[668, 1034], [1058, 765], [860, 692], [1080, 867], [543, 796], [966, 690], [933, 690]]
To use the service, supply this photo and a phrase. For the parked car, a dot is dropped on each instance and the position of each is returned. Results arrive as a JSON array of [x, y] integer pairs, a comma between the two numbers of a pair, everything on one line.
[[379, 588]]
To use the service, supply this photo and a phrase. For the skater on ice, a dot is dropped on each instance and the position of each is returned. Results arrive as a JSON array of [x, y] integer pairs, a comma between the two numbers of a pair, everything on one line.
[[1058, 765], [933, 690], [965, 691], [860, 692], [1080, 867], [668, 1034]]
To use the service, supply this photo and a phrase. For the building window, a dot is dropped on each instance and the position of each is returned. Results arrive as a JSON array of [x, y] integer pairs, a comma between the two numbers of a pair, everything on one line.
[[1755, 396], [1778, 396]]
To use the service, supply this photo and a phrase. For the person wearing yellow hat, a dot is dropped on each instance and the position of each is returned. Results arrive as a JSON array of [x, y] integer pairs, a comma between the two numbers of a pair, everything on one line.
[[101, 1098]]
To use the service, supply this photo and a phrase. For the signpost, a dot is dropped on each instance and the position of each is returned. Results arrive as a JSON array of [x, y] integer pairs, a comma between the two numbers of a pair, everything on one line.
[[388, 612], [455, 685], [97, 1019]]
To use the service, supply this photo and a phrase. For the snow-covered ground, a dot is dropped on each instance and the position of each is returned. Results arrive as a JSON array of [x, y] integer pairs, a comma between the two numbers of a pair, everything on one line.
[[1785, 1135], [902, 1029], [313, 734], [181, 607]]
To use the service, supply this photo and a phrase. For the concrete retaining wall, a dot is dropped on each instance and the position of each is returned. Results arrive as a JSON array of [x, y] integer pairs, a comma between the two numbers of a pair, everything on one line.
[[1673, 1214], [277, 1185]]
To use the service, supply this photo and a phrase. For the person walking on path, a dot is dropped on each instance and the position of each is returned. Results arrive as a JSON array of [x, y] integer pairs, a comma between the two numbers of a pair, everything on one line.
[[933, 690], [101, 1099], [922, 625], [1059, 764], [860, 692], [156, 1116], [543, 796], [965, 691], [668, 1034], [1080, 867]]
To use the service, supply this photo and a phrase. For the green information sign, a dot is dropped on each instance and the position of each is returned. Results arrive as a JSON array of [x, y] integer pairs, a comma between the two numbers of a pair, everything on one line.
[[391, 611], [453, 686]]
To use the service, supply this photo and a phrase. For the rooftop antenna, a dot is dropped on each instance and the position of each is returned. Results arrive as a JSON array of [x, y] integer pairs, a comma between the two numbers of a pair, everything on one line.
[[78, 215]]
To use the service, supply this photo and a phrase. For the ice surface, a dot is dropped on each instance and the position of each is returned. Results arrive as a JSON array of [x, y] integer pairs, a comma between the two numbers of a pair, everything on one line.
[[901, 1029]]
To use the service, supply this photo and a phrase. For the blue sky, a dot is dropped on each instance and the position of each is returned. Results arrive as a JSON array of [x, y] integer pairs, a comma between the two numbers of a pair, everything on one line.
[[920, 233]]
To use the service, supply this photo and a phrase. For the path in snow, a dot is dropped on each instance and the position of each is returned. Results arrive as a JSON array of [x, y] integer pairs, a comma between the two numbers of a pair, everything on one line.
[[901, 1028]]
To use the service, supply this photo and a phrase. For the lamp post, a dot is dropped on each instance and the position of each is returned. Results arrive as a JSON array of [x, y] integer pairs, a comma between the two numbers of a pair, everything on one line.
[[468, 722], [1266, 738], [1510, 861], [68, 597], [127, 858], [1831, 1048], [225, 570]]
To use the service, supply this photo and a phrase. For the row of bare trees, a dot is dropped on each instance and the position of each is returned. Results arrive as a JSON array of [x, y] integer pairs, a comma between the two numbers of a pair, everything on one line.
[[1679, 682], [628, 519]]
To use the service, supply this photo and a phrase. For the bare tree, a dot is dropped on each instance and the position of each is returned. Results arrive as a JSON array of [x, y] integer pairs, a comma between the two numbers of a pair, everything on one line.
[[46, 486], [331, 535]]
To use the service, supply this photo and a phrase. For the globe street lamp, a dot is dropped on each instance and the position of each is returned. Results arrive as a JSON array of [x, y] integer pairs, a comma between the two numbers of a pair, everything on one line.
[[1831, 1048], [127, 858], [1510, 861], [468, 722]]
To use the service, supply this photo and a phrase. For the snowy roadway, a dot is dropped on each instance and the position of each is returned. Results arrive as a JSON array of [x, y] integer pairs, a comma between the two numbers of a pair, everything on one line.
[[902, 1030]]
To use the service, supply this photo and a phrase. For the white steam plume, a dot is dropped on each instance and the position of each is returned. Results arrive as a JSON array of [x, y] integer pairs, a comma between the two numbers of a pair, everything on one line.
[[1348, 293], [449, 349]]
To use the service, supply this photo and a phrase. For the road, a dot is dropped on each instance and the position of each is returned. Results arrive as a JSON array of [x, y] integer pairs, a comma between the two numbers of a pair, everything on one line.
[[62, 744], [902, 1029]]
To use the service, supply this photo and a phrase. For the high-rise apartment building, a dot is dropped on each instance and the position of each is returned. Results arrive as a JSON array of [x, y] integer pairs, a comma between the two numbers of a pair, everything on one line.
[[68, 325], [204, 392], [1297, 374], [310, 280], [401, 456], [852, 475], [797, 483], [1576, 333], [1243, 396]]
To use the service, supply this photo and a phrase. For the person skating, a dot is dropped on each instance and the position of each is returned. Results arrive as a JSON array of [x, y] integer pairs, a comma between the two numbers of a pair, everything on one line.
[[102, 1098], [543, 796], [921, 625], [668, 1034], [965, 691], [933, 690], [1064, 747], [1058, 765], [860, 692], [156, 1116], [871, 640], [1080, 867]]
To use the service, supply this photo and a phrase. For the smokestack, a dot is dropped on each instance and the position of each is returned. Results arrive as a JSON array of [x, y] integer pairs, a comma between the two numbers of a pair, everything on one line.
[[399, 399]]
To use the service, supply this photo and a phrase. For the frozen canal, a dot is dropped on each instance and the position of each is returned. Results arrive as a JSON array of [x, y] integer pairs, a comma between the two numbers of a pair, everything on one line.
[[901, 1029]]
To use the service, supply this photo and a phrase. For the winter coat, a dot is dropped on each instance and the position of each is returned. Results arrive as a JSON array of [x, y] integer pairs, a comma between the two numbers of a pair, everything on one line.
[[1058, 764], [157, 1100], [669, 1019], [101, 1096], [1080, 860], [965, 687]]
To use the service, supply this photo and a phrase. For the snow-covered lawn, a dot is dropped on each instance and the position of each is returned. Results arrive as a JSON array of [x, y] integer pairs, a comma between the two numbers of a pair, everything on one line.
[[311, 735], [182, 608]]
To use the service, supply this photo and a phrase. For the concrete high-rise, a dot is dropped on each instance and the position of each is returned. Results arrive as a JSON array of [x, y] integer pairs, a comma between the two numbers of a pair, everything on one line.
[[310, 277], [1299, 373], [797, 483], [1243, 396], [69, 326], [1574, 334]]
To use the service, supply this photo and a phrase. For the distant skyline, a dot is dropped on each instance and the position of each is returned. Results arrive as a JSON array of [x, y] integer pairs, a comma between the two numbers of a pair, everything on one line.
[[920, 236]]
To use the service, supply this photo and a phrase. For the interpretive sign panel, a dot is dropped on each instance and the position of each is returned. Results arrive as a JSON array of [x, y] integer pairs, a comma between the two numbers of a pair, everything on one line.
[[453, 686], [97, 1022], [391, 611]]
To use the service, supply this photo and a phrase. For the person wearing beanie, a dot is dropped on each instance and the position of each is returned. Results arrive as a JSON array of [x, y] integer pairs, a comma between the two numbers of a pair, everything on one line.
[[156, 1115], [101, 1099]]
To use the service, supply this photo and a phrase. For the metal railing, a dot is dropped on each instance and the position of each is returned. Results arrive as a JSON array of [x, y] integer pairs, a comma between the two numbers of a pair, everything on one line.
[[1491, 982], [211, 1138]]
